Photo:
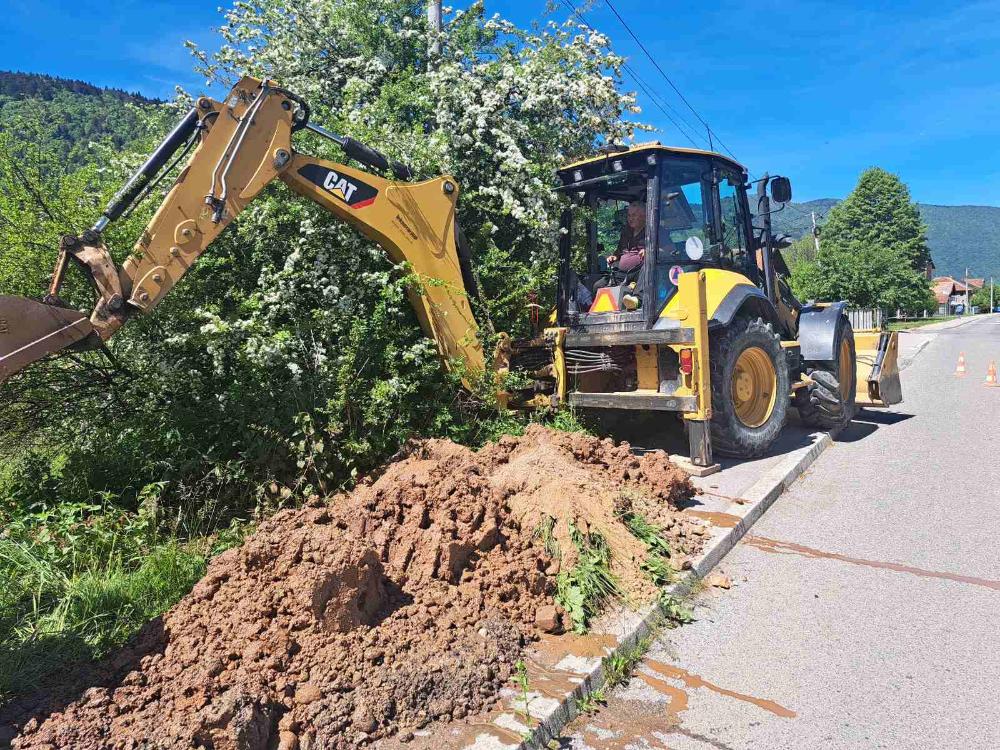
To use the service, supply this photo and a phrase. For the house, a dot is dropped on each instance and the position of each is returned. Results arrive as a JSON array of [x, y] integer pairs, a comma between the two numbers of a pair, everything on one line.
[[951, 292]]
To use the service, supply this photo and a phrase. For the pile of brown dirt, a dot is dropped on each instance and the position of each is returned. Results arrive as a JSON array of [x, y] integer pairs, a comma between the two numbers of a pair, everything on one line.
[[576, 479], [407, 601]]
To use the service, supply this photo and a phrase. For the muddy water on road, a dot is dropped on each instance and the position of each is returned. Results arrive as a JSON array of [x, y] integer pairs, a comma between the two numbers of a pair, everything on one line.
[[778, 547], [716, 518]]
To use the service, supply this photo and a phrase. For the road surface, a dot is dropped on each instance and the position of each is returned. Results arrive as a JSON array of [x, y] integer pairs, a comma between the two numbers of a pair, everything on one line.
[[865, 606]]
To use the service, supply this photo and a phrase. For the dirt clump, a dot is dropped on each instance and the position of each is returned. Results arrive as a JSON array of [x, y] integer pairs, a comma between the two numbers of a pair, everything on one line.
[[405, 602]]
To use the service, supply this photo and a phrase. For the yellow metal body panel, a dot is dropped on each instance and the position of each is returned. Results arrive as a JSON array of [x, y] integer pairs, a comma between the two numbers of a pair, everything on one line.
[[691, 299], [647, 371], [182, 227], [558, 337], [718, 284], [414, 223]]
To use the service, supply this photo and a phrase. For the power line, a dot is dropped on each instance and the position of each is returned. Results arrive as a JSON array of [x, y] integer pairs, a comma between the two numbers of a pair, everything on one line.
[[653, 98], [646, 88], [667, 78]]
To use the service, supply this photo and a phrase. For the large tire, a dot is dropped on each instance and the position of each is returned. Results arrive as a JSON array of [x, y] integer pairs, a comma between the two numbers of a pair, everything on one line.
[[829, 401], [749, 387]]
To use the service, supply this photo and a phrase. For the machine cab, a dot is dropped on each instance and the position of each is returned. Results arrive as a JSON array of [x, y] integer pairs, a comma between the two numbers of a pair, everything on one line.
[[640, 218]]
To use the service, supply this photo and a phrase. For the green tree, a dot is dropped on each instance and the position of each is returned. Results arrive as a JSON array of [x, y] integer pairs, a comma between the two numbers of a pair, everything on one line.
[[873, 249], [981, 297], [289, 359]]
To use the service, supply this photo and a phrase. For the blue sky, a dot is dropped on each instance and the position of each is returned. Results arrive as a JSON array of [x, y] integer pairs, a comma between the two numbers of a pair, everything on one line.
[[814, 90]]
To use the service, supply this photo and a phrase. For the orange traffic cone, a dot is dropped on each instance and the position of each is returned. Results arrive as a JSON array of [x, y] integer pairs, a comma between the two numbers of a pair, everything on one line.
[[991, 375], [960, 370]]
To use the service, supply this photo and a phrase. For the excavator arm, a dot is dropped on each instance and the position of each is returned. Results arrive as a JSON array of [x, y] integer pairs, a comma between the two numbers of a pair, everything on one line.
[[239, 146]]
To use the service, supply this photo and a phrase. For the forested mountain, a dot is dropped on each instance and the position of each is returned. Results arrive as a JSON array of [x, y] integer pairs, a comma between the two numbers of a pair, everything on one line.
[[958, 236], [68, 115], [961, 236], [18, 85]]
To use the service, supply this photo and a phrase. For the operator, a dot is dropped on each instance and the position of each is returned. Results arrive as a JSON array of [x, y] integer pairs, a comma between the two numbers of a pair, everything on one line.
[[632, 244], [626, 263]]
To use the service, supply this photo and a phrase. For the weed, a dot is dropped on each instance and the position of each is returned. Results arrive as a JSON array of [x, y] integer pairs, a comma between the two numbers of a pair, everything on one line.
[[591, 702], [520, 679], [675, 610], [583, 589], [568, 420], [544, 533], [618, 667]]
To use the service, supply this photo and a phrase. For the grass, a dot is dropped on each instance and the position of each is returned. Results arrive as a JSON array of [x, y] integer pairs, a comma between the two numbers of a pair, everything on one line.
[[591, 702], [583, 590], [905, 325], [77, 581], [52, 619], [657, 565]]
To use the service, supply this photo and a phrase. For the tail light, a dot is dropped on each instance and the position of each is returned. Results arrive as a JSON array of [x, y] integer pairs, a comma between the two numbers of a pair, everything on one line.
[[687, 361]]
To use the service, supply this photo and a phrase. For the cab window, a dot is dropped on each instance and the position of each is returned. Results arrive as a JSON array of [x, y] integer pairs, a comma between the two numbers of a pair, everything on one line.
[[610, 223], [735, 249], [684, 235]]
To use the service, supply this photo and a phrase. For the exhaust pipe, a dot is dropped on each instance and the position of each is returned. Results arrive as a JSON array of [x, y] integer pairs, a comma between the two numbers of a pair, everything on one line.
[[31, 330]]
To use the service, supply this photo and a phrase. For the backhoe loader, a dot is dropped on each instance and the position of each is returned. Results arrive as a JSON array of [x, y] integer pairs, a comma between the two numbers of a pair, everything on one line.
[[701, 322]]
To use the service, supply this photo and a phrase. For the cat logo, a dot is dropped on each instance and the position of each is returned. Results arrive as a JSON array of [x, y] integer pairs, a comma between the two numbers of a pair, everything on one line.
[[353, 192]]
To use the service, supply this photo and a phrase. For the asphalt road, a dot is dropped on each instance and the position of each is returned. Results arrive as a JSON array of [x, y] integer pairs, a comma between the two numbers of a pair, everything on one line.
[[865, 607]]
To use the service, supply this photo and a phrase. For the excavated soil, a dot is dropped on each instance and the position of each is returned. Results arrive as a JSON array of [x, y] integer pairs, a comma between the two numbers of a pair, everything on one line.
[[373, 614]]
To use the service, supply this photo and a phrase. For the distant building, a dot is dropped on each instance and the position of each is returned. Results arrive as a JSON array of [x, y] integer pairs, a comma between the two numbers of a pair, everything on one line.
[[950, 292]]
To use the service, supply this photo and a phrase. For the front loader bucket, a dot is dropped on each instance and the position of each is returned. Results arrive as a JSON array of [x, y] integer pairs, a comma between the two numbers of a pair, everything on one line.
[[30, 330], [878, 368]]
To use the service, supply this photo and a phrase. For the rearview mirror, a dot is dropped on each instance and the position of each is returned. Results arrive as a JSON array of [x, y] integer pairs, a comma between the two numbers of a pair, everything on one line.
[[781, 189]]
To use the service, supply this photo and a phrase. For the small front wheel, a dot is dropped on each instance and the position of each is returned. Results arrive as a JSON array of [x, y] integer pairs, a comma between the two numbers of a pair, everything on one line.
[[829, 401]]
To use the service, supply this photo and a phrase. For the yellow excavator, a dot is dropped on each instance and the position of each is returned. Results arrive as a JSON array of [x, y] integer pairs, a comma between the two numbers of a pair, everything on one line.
[[700, 323]]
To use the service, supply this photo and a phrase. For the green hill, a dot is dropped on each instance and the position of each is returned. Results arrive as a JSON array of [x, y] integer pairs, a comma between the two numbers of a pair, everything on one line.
[[958, 236], [961, 236], [18, 85], [68, 115]]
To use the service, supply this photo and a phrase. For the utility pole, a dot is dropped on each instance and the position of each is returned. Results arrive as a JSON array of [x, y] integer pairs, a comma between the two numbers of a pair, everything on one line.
[[815, 232], [992, 308], [433, 31], [966, 290]]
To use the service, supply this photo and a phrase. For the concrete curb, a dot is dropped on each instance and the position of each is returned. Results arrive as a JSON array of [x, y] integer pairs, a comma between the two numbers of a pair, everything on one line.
[[753, 505], [909, 360]]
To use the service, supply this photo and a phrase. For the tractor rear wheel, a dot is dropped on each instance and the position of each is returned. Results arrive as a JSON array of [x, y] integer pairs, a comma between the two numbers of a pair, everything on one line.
[[829, 401], [750, 387]]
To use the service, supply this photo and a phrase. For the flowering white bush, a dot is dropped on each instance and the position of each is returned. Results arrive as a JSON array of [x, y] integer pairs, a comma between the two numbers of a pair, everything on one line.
[[290, 353]]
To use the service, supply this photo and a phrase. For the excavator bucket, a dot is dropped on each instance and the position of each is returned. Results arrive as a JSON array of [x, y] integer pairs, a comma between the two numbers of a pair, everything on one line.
[[31, 330], [878, 368]]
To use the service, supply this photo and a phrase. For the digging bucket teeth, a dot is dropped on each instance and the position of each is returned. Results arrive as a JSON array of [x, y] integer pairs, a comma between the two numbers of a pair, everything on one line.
[[878, 368], [31, 330]]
